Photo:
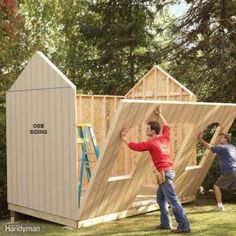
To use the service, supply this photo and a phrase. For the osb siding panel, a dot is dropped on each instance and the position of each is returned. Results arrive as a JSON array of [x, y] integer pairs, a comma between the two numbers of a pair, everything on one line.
[[39, 63], [42, 168]]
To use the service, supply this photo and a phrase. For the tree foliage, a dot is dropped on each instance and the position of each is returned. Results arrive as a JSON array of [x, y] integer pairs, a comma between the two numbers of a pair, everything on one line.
[[205, 49], [13, 44], [102, 46], [120, 33], [13, 41]]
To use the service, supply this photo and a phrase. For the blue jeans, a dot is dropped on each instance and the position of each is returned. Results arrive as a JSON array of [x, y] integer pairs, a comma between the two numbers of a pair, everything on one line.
[[166, 195]]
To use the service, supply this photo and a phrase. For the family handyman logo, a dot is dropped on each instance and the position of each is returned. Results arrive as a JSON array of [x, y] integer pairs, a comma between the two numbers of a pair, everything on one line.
[[21, 228]]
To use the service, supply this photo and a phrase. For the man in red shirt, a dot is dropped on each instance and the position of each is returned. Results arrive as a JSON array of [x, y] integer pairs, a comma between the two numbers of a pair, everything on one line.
[[158, 147]]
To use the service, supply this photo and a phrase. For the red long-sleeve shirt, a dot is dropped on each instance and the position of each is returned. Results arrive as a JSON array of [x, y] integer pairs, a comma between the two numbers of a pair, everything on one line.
[[158, 148]]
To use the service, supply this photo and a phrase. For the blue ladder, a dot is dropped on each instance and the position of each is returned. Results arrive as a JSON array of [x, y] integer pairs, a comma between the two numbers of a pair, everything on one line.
[[84, 132]]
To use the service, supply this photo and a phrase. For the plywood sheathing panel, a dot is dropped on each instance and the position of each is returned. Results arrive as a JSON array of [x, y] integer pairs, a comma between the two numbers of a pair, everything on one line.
[[130, 113]]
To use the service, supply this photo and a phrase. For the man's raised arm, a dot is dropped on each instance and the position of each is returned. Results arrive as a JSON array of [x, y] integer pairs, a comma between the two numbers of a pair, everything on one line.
[[161, 117], [203, 142]]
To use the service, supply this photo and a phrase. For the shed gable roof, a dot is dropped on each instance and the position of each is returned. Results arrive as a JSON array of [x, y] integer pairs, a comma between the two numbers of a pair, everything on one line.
[[156, 82], [41, 73]]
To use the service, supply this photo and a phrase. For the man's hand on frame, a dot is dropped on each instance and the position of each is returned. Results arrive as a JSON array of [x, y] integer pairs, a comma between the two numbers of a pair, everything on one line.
[[158, 110]]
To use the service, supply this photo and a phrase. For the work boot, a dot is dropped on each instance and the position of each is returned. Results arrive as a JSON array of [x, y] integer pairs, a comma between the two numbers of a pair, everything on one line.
[[159, 227], [181, 231]]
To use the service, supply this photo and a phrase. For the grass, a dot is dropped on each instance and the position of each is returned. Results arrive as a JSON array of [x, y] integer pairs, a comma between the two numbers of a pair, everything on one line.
[[203, 222]]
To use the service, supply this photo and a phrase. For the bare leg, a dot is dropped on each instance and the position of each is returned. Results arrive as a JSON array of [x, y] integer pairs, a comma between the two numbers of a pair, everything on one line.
[[218, 194]]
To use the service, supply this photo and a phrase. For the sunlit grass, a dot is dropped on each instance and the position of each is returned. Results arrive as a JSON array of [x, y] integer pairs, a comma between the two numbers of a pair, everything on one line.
[[203, 222]]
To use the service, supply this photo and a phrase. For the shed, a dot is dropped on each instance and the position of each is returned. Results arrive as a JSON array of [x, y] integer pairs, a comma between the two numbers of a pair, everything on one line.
[[43, 155]]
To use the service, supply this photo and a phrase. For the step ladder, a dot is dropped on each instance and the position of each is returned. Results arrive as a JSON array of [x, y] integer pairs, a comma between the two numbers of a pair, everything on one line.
[[85, 133]]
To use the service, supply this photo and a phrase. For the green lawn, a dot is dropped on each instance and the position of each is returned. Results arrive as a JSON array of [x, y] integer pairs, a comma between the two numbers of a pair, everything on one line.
[[203, 222]]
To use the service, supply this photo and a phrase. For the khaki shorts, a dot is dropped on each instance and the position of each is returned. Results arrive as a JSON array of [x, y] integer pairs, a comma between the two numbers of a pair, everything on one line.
[[227, 181]]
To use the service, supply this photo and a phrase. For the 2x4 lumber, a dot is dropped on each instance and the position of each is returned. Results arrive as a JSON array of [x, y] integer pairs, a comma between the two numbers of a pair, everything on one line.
[[98, 114], [161, 95], [155, 79], [144, 88], [99, 96], [118, 178], [167, 87], [123, 193]]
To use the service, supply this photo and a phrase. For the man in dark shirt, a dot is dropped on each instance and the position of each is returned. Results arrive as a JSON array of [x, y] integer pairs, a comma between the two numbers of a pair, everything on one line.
[[158, 146], [227, 154]]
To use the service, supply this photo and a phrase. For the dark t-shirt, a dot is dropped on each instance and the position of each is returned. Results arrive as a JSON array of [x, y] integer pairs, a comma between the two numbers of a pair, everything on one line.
[[227, 154]]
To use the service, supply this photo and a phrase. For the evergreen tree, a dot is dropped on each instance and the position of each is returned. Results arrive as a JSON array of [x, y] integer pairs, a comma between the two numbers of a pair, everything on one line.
[[205, 49], [121, 35]]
